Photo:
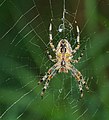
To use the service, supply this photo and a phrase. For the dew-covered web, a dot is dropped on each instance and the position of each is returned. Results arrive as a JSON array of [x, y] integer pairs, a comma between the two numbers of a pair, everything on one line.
[[24, 39]]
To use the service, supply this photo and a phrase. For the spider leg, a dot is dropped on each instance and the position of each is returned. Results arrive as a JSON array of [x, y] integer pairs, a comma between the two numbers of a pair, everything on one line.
[[79, 58], [52, 72], [80, 79], [50, 57], [51, 38], [77, 40], [46, 75], [51, 43]]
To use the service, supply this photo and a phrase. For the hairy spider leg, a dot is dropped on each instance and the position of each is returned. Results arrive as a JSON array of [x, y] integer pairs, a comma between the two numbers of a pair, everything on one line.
[[50, 57], [79, 58], [51, 44], [47, 74], [51, 38], [80, 79], [77, 39], [52, 72]]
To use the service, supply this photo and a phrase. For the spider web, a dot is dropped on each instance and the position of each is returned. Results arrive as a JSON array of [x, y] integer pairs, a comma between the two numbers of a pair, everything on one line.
[[23, 59]]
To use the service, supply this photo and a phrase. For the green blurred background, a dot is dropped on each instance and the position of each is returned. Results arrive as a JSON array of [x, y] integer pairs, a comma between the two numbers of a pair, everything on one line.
[[23, 61]]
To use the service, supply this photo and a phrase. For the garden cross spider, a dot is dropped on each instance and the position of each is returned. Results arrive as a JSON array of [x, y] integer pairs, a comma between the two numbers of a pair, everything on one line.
[[64, 58]]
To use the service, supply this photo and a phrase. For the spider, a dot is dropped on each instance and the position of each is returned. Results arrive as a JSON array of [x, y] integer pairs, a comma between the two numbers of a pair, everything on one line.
[[63, 61]]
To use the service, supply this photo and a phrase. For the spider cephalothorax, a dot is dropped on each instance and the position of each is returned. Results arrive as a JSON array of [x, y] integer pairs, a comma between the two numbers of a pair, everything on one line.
[[63, 61]]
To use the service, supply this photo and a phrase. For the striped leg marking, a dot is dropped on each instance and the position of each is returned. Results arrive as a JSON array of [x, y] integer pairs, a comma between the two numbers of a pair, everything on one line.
[[47, 75], [77, 39], [79, 58], [80, 79], [51, 38], [52, 73], [50, 57]]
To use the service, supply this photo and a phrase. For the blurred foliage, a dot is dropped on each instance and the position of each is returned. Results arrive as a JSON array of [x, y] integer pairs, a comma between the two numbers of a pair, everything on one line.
[[23, 63]]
